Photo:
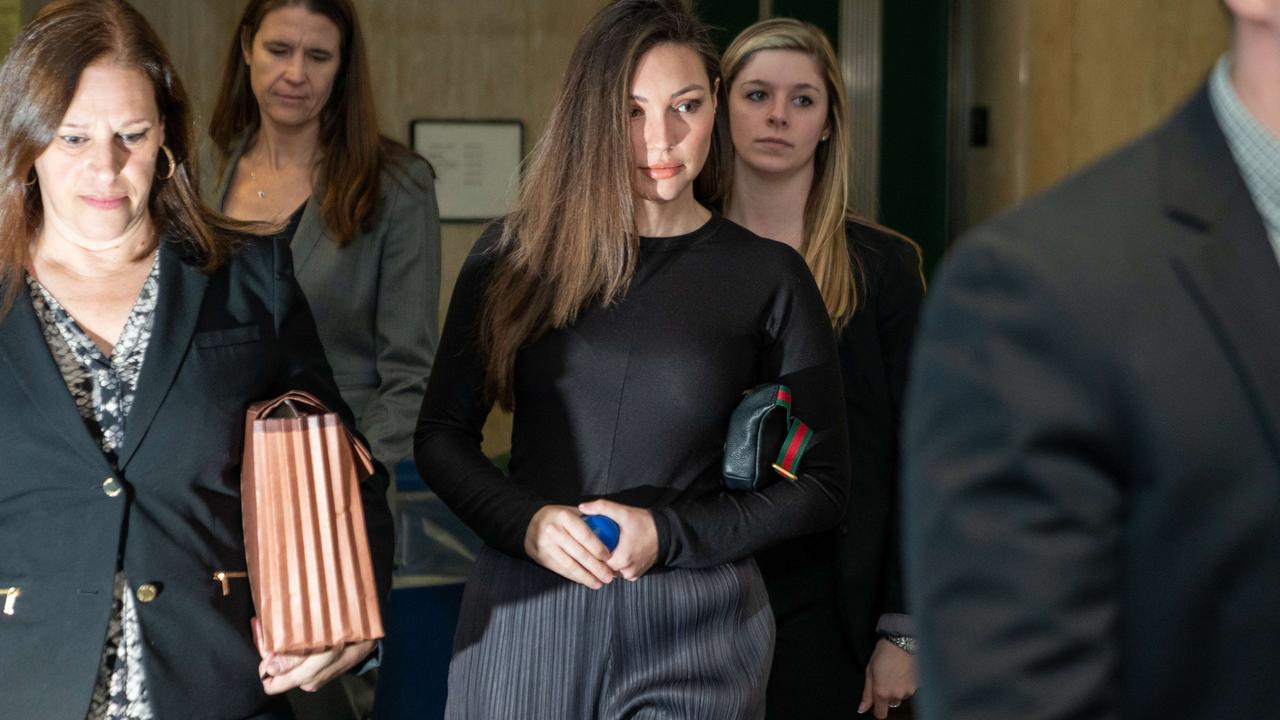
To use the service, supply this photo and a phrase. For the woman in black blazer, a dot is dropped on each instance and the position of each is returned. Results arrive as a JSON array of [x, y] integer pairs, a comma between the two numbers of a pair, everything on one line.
[[134, 335], [844, 641]]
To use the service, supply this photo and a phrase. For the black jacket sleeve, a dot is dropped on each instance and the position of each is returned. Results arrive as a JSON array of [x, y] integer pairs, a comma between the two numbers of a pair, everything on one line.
[[1013, 491], [899, 292]]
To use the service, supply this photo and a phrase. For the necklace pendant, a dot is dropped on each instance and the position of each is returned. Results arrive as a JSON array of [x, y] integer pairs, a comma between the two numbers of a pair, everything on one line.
[[262, 194]]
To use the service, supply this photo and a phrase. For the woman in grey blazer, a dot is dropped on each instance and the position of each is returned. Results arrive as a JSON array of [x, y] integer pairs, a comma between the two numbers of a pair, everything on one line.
[[297, 148]]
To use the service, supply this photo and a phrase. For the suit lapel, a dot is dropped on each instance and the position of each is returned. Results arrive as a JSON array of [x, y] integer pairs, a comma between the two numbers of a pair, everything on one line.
[[1232, 270], [24, 351], [308, 236], [224, 182], [181, 295]]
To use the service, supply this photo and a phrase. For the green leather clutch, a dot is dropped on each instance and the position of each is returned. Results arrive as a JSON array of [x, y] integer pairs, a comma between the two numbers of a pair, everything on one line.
[[764, 440]]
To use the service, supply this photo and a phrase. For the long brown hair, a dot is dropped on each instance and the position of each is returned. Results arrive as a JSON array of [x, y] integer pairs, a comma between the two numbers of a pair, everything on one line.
[[38, 81], [570, 239], [836, 268], [352, 151]]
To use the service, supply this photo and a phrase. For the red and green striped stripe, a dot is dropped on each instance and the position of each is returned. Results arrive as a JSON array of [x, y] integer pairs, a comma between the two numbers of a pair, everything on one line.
[[793, 448]]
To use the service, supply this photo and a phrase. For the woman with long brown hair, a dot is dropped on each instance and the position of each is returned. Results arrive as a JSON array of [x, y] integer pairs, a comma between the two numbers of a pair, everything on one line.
[[844, 643], [622, 320], [137, 327], [297, 147]]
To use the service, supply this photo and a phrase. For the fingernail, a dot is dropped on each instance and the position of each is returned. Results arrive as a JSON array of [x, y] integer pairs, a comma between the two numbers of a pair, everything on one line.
[[275, 667], [862, 708]]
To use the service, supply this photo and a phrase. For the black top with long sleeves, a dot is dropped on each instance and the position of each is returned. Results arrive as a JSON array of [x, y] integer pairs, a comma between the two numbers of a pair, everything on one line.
[[631, 402]]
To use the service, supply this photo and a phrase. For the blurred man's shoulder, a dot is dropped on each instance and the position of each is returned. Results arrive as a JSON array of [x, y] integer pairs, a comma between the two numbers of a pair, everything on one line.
[[1112, 205]]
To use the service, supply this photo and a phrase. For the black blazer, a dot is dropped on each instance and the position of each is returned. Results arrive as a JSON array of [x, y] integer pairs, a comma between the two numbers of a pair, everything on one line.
[[851, 574], [1092, 450], [874, 350], [219, 342]]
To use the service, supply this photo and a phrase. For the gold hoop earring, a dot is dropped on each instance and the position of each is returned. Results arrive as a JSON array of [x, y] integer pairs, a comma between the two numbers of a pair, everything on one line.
[[32, 178], [173, 164]]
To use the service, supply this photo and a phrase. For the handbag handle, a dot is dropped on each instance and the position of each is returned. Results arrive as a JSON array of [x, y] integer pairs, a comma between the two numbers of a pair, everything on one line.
[[294, 403], [300, 403], [797, 441]]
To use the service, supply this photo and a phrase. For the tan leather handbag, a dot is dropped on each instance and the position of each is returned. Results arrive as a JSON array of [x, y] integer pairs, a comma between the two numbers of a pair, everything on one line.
[[308, 557]]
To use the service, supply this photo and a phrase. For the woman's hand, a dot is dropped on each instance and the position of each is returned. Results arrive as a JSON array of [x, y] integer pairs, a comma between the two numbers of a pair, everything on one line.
[[281, 672], [637, 537], [891, 678], [559, 540]]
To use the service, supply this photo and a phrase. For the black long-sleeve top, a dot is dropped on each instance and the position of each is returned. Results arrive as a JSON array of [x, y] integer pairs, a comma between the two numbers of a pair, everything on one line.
[[631, 402]]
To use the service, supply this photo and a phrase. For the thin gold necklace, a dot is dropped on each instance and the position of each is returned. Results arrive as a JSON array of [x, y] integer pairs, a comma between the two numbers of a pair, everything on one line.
[[262, 194]]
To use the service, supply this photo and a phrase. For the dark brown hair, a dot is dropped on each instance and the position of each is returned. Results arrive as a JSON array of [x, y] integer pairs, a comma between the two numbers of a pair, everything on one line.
[[352, 151], [38, 81], [570, 239]]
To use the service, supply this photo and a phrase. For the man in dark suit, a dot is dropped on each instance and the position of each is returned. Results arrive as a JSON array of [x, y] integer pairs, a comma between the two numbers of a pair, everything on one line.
[[1092, 449]]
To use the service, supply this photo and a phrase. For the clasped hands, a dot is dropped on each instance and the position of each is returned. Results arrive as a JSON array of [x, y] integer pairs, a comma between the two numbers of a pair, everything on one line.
[[559, 540]]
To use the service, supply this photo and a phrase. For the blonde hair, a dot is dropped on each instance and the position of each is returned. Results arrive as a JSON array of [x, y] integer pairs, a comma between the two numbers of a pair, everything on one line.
[[824, 245]]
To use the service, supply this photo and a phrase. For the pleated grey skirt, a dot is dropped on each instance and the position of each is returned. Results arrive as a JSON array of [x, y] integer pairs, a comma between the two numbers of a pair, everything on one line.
[[676, 643]]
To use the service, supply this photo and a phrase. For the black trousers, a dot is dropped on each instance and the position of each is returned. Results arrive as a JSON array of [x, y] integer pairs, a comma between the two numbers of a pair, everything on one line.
[[816, 671]]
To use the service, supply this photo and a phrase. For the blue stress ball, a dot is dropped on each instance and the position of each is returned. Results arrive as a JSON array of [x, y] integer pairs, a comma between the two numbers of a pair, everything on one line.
[[604, 528]]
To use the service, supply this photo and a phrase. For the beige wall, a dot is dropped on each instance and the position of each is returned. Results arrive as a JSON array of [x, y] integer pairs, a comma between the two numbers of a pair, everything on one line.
[[1067, 81], [457, 59]]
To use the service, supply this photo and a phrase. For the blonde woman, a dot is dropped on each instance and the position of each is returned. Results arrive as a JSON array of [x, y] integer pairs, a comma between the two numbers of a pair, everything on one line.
[[837, 596]]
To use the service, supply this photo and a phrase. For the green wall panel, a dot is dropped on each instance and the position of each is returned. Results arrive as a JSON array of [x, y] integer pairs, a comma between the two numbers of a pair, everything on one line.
[[913, 127], [730, 17], [727, 18], [823, 13]]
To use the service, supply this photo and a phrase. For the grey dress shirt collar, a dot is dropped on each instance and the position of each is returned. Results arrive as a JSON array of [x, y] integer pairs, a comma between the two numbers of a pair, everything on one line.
[[1255, 149]]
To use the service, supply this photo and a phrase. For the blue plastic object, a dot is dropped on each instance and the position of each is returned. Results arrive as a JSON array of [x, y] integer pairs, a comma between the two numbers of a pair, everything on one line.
[[605, 529]]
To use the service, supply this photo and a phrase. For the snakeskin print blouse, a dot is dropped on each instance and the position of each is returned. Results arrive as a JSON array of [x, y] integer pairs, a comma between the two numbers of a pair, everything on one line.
[[103, 389]]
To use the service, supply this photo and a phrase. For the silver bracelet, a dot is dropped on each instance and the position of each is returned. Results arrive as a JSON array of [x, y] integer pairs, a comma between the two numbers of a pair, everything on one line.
[[906, 642]]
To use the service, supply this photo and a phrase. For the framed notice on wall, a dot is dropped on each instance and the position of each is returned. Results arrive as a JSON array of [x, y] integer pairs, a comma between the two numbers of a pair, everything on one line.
[[477, 164]]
